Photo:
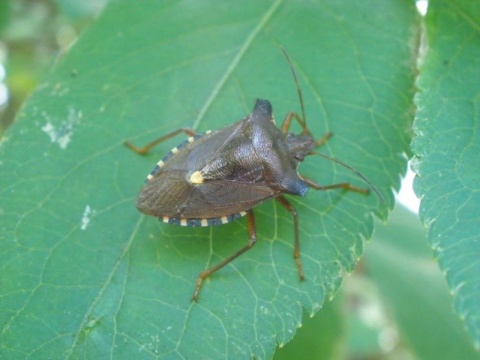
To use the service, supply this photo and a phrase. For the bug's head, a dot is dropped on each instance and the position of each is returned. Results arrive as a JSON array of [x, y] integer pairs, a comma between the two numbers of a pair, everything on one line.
[[300, 145]]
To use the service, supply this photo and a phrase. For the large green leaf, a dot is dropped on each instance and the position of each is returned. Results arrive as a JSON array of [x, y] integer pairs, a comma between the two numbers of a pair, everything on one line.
[[447, 146], [85, 275]]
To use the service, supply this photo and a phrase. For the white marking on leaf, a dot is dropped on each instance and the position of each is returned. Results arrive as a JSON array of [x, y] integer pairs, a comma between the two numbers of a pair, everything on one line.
[[87, 214], [62, 133]]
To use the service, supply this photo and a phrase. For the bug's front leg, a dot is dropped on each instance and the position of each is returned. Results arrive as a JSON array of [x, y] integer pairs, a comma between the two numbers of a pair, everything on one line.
[[323, 139], [145, 149], [287, 121], [252, 231]]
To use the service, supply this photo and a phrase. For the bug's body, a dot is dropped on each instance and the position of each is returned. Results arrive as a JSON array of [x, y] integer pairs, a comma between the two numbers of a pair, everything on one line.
[[216, 178], [220, 176]]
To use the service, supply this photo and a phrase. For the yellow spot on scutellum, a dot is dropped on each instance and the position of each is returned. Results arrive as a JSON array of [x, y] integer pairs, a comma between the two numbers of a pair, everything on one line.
[[196, 178]]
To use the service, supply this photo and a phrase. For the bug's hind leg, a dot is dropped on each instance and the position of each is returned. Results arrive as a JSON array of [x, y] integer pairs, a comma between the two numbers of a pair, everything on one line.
[[145, 149], [252, 231], [296, 249]]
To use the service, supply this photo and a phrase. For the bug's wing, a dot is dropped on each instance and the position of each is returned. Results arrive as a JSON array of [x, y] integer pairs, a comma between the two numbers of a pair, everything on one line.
[[170, 194], [220, 198], [164, 194]]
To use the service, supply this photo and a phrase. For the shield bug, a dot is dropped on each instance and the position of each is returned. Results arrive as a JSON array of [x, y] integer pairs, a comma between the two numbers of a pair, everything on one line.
[[220, 176]]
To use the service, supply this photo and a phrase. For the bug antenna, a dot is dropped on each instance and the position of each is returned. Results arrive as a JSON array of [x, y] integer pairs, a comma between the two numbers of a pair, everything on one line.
[[299, 90], [356, 172]]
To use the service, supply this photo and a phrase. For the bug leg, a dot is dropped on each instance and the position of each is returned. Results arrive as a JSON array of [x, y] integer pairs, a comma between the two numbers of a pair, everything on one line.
[[288, 121], [296, 249], [145, 149], [345, 186], [252, 231], [323, 139]]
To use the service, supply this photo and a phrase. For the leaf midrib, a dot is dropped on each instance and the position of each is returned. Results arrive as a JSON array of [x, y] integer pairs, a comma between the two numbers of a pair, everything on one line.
[[235, 61]]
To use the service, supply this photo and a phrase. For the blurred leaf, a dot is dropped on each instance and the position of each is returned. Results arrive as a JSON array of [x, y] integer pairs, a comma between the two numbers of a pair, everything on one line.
[[400, 263], [447, 146], [85, 275], [76, 9], [4, 13]]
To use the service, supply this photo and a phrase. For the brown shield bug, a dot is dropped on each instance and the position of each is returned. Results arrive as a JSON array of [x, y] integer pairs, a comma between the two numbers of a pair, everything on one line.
[[220, 176]]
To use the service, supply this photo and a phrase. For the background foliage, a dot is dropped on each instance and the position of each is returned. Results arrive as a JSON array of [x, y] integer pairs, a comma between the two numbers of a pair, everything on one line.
[[84, 275]]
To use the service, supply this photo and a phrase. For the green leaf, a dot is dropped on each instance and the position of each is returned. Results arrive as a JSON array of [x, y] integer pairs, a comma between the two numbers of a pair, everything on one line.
[[85, 275], [400, 263], [447, 146]]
